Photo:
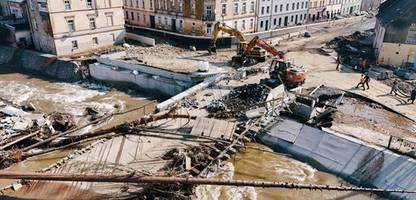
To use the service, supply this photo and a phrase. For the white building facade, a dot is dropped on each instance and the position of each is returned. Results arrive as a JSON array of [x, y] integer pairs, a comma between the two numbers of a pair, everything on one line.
[[273, 14], [350, 7], [333, 8], [239, 14]]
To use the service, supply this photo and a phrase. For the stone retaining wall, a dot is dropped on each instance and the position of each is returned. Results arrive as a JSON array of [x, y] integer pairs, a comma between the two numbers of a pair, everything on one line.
[[39, 63]]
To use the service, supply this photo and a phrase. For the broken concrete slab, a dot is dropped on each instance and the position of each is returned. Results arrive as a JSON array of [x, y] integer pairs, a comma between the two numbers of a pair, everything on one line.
[[12, 111], [255, 113], [22, 124]]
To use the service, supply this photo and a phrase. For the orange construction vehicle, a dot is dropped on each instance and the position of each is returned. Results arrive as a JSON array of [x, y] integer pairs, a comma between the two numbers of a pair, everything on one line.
[[255, 54], [292, 76]]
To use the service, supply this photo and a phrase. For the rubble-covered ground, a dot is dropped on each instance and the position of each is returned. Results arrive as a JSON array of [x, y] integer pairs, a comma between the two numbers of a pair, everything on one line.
[[177, 59]]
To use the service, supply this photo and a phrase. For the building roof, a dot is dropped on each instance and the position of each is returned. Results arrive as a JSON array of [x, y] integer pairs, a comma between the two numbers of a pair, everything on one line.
[[392, 9]]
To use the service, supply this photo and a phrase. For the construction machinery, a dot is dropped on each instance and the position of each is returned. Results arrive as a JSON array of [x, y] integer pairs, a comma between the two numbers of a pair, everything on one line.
[[255, 54], [280, 69]]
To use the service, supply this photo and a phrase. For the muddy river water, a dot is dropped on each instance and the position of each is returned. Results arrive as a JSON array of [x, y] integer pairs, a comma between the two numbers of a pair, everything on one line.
[[49, 96]]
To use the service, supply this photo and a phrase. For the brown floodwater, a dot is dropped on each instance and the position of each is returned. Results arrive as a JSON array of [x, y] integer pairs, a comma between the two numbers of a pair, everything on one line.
[[49, 96], [253, 164]]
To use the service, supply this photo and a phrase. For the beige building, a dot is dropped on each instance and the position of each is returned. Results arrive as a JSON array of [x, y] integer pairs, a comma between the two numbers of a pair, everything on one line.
[[192, 17], [237, 14], [70, 27], [395, 40]]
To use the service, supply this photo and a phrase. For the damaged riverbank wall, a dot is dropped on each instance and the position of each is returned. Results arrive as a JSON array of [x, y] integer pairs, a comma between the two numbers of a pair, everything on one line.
[[146, 77], [349, 158], [39, 63]]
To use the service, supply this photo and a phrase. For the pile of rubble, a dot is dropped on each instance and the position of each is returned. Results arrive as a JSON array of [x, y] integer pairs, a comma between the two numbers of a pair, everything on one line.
[[354, 49], [19, 129], [240, 99]]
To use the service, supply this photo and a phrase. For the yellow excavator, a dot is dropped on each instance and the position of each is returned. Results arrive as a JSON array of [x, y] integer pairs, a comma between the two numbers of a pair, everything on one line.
[[255, 54], [255, 51]]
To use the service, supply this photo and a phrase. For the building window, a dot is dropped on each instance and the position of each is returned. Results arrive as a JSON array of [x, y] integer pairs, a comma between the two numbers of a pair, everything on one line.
[[132, 16], [243, 25], [281, 7], [275, 8], [71, 25], [306, 4], [235, 8], [268, 9], [244, 8], [138, 17], [280, 21], [180, 24], [95, 41], [293, 6], [67, 4], [92, 23], [208, 10], [110, 21], [166, 21], [287, 7], [251, 23], [180, 5], [224, 9], [261, 24], [275, 21], [291, 18], [127, 15], [262, 10], [209, 28], [193, 7], [74, 44], [235, 24], [297, 6], [303, 4], [89, 4], [143, 5], [252, 7]]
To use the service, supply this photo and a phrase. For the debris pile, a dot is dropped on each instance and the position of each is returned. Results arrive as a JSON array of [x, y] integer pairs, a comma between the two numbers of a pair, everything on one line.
[[354, 49], [61, 121], [20, 129], [240, 99]]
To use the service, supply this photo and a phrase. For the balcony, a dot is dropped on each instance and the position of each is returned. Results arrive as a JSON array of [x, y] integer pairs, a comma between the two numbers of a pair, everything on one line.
[[208, 17]]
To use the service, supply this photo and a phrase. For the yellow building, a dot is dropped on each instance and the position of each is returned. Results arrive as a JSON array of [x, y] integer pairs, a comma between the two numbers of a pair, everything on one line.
[[70, 27]]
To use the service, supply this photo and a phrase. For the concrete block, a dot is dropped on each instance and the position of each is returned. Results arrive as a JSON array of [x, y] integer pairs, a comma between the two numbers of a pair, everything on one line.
[[142, 39]]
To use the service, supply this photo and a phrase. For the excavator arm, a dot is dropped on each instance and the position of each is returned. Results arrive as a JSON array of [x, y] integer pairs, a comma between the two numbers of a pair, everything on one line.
[[218, 27], [261, 43]]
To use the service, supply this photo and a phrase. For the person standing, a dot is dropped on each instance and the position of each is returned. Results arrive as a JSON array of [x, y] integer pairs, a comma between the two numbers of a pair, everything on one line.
[[364, 81], [395, 87], [338, 62], [412, 96]]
